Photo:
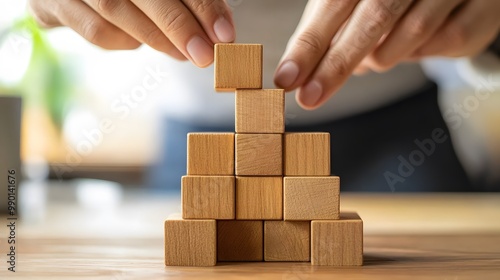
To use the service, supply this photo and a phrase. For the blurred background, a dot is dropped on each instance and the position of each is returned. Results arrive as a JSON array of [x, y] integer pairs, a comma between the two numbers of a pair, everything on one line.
[[90, 127], [86, 111]]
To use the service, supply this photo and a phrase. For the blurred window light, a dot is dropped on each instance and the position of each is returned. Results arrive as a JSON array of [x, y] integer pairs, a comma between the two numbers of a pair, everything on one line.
[[15, 53], [100, 81]]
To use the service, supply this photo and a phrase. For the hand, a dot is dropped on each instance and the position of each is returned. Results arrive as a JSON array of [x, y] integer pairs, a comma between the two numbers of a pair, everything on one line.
[[336, 37], [182, 29]]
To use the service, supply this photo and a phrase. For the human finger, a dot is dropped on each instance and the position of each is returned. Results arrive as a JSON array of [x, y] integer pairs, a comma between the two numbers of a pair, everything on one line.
[[369, 21], [126, 16], [463, 34], [215, 17], [319, 24], [90, 25], [418, 24], [177, 22]]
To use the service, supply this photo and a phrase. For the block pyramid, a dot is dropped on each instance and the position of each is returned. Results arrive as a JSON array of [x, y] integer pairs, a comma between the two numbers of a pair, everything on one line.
[[259, 194]]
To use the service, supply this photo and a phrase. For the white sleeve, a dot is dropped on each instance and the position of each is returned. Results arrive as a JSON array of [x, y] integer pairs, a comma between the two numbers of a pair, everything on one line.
[[470, 103]]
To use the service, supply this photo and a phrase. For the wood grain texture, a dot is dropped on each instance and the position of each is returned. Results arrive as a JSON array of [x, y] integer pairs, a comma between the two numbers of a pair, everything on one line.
[[238, 66], [287, 241], [311, 198], [337, 242], [452, 235], [259, 154], [306, 154], [190, 242], [210, 154], [239, 240], [208, 197], [387, 257], [260, 111], [259, 198]]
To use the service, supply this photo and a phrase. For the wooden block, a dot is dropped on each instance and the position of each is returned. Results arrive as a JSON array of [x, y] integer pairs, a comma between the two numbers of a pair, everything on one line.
[[259, 198], [208, 197], [311, 198], [259, 154], [337, 242], [190, 242], [260, 111], [306, 154], [287, 241], [239, 240], [238, 66], [210, 154]]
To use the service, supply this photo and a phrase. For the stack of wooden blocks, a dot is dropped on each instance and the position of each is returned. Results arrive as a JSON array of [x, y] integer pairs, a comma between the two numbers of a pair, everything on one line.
[[259, 194]]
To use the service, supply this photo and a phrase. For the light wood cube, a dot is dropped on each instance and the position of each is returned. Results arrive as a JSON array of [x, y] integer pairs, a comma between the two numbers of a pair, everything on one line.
[[259, 154], [286, 241], [238, 66], [311, 198], [239, 240], [210, 154], [259, 198], [190, 242], [306, 154], [337, 242], [260, 111], [208, 197]]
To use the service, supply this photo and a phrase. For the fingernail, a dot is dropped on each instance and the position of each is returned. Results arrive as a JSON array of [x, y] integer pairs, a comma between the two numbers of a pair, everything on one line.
[[224, 30], [200, 51], [287, 74], [311, 93]]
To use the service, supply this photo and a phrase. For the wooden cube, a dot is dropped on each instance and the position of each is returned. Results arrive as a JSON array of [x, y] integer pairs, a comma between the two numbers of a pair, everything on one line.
[[260, 111], [190, 242], [311, 198], [210, 154], [208, 197], [259, 198], [239, 240], [337, 242], [238, 66], [306, 154], [259, 154], [286, 241]]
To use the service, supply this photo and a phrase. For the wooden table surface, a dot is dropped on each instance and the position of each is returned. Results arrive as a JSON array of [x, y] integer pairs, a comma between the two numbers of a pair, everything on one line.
[[407, 236]]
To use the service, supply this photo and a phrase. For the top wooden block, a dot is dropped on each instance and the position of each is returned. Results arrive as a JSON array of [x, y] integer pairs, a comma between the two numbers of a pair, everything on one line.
[[210, 154], [238, 66]]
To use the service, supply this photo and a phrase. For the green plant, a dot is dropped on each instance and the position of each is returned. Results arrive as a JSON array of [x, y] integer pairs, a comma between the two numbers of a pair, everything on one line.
[[47, 80]]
